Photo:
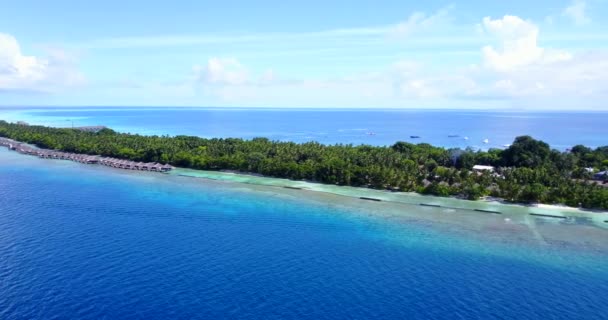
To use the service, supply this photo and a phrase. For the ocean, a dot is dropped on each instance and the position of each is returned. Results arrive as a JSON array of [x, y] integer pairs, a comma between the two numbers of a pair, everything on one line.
[[90, 242], [365, 126]]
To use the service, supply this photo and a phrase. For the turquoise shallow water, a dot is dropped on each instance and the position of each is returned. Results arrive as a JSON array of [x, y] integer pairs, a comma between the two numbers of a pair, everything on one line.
[[81, 241]]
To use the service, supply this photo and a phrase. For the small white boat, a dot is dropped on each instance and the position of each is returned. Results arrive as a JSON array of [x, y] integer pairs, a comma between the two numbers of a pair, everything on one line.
[[466, 138], [486, 141]]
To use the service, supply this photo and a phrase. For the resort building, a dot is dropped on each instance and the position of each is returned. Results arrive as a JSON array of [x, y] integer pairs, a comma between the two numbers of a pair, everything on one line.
[[601, 176], [90, 128], [481, 168]]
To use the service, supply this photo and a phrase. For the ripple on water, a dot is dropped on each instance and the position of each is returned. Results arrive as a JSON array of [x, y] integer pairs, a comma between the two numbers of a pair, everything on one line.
[[82, 242]]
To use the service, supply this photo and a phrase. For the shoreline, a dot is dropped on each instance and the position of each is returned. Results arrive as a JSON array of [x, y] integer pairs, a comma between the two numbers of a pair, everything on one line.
[[514, 226], [488, 205], [487, 199]]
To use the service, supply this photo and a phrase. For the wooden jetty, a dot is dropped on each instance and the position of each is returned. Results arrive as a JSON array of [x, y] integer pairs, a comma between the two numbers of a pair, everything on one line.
[[83, 158]]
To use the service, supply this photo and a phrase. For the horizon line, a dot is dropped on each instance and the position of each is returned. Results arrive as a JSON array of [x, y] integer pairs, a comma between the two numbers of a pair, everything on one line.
[[117, 106]]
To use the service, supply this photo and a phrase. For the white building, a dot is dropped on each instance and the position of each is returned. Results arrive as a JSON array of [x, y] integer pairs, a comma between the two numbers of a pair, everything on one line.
[[480, 168]]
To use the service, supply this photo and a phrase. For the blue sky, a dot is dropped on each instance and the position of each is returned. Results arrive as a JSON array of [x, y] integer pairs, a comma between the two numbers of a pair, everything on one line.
[[349, 54]]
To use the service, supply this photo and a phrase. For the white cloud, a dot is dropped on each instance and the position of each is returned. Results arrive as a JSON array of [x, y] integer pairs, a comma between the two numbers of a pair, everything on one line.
[[413, 80], [420, 21], [402, 84], [15, 67], [416, 22], [582, 76], [228, 80], [577, 82], [521, 71], [30, 73], [513, 68], [222, 71], [230, 72], [517, 45], [576, 11]]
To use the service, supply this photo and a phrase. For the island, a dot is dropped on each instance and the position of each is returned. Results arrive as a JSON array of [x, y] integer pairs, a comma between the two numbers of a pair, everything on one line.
[[528, 171]]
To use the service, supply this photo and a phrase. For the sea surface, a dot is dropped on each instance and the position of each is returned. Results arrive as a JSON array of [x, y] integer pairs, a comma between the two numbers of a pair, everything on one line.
[[362, 126], [90, 242]]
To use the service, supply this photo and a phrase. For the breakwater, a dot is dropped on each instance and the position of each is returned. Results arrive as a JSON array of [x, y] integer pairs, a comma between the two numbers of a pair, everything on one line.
[[83, 158]]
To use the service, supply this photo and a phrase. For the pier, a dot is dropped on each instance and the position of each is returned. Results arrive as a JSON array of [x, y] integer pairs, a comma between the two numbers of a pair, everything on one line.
[[83, 158]]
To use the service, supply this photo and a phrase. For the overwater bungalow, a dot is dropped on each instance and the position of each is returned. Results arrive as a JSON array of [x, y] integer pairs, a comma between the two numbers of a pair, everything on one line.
[[92, 160], [83, 158]]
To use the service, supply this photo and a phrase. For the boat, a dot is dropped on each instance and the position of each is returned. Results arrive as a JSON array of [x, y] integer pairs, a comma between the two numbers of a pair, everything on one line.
[[415, 137], [486, 141], [466, 138], [453, 136]]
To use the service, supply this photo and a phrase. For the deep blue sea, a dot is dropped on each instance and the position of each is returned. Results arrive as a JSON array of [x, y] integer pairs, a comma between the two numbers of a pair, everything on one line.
[[377, 127], [89, 242]]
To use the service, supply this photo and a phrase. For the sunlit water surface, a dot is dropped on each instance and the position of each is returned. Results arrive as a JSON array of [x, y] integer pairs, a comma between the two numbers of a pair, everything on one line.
[[362, 126], [80, 241]]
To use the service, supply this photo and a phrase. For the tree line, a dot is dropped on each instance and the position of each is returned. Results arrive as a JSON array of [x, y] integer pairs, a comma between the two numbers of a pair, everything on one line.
[[528, 171]]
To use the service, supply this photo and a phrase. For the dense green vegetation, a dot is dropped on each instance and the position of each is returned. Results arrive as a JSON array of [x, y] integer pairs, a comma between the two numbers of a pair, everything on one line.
[[528, 171]]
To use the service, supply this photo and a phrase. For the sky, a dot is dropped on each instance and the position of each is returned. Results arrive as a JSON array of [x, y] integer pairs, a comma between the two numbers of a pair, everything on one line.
[[514, 55]]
